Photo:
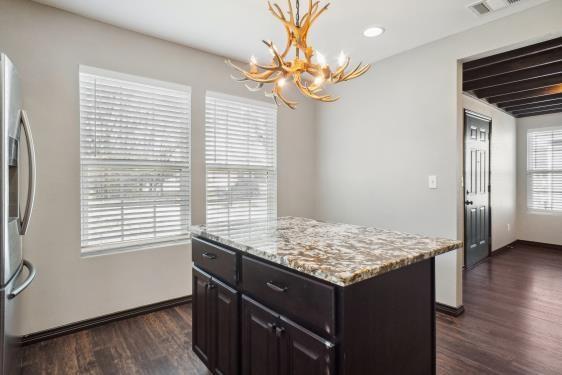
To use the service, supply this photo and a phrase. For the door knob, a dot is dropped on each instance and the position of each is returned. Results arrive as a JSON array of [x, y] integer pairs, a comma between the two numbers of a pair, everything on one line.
[[468, 202]]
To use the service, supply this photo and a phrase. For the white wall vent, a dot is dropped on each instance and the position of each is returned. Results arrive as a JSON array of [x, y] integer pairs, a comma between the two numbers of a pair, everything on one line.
[[488, 6]]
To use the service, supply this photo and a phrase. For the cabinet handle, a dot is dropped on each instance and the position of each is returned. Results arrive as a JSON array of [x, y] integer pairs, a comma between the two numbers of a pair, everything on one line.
[[209, 256], [212, 286], [277, 288], [271, 326]]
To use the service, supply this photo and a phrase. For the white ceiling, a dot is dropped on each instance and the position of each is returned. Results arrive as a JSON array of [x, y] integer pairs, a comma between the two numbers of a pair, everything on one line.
[[235, 28]]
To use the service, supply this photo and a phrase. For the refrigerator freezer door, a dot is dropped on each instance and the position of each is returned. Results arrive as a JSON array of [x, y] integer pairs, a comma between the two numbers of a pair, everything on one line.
[[10, 114]]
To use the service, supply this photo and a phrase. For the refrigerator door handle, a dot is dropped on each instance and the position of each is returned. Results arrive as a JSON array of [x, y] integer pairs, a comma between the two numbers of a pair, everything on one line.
[[24, 222], [28, 280]]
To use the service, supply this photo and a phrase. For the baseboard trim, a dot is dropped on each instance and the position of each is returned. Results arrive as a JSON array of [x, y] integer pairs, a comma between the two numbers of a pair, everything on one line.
[[449, 310], [67, 329], [539, 244], [505, 248]]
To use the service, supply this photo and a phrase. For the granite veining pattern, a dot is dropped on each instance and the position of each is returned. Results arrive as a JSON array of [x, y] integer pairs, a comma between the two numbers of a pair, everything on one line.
[[341, 254]]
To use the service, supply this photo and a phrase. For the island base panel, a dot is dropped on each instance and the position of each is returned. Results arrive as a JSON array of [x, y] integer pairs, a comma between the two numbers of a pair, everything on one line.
[[387, 323]]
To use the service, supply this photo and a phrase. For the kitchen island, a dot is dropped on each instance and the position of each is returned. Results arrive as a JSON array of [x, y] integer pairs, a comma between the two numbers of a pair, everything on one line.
[[299, 296]]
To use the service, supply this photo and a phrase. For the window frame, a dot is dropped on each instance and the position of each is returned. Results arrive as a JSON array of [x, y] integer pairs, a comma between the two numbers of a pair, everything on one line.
[[529, 173], [272, 169], [141, 244]]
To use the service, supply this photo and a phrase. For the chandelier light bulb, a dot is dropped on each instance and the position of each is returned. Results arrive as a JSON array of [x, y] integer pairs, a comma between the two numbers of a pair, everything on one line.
[[281, 82], [342, 58], [253, 60], [321, 59], [318, 80]]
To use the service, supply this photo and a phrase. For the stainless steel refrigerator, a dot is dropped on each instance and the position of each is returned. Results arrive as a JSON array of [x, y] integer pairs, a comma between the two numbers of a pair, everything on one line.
[[15, 272]]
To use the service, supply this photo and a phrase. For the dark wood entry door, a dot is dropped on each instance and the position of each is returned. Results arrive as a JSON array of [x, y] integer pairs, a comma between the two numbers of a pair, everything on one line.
[[477, 188]]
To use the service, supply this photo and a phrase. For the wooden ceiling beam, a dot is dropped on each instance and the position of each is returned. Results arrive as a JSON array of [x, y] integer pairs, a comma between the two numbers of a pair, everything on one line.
[[526, 62], [544, 91], [517, 76], [529, 84], [542, 105], [513, 54], [540, 99], [523, 111], [538, 113]]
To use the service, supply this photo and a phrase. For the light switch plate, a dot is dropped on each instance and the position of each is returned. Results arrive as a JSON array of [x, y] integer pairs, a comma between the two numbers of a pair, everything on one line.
[[432, 182]]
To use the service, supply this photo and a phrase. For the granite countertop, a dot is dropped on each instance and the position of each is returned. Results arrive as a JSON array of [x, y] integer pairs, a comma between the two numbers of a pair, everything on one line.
[[341, 254]]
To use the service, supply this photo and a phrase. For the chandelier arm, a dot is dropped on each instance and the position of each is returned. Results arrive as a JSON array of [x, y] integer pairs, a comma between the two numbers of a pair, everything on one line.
[[311, 9], [266, 74], [278, 13], [318, 13], [258, 87], [277, 93], [270, 79], [264, 77], [291, 14], [276, 56], [307, 92], [341, 70], [358, 71]]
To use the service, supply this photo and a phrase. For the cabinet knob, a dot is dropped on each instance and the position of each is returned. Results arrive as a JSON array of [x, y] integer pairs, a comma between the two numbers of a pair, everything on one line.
[[279, 331]]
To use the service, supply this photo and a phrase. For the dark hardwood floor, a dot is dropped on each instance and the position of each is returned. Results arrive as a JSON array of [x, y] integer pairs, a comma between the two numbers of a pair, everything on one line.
[[512, 325], [513, 319], [155, 343]]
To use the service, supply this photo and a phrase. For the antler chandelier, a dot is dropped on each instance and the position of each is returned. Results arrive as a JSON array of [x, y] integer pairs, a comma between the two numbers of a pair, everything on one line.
[[309, 77]]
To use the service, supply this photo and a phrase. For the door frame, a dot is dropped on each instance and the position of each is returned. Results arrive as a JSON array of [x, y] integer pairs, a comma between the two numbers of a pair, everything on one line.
[[466, 113]]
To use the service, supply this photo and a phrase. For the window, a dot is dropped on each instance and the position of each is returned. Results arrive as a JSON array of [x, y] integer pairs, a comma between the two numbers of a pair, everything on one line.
[[240, 155], [134, 159], [544, 170]]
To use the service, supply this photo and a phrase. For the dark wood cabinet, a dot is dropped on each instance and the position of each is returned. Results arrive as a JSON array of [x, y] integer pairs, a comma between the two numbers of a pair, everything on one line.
[[215, 323], [277, 346], [225, 328], [260, 347], [202, 316], [258, 318], [304, 353]]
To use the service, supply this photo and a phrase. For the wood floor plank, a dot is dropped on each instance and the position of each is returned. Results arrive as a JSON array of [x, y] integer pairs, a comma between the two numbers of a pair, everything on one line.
[[512, 325]]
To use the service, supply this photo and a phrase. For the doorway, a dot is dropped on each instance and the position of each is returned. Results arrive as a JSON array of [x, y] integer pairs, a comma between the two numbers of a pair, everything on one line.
[[477, 217]]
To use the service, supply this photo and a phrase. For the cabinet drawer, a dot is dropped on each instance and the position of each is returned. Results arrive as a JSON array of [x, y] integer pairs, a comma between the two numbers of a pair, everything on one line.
[[302, 299], [216, 260]]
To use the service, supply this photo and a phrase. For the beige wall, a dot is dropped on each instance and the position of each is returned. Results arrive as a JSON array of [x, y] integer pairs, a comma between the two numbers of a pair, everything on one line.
[[402, 122], [534, 226], [503, 168], [47, 45]]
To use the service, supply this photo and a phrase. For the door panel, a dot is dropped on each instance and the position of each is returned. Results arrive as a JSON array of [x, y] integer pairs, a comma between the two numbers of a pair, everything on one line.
[[202, 314], [225, 330], [477, 188], [304, 353], [259, 343]]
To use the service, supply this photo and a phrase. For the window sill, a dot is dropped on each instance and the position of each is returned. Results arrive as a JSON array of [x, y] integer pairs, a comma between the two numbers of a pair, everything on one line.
[[135, 248], [544, 213]]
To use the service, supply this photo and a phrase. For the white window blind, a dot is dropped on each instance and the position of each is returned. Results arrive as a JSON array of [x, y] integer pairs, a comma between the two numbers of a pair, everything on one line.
[[544, 170], [241, 166], [134, 159]]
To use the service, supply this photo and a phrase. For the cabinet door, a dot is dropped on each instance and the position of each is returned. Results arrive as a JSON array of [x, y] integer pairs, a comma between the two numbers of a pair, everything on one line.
[[202, 316], [225, 329], [303, 352], [259, 343]]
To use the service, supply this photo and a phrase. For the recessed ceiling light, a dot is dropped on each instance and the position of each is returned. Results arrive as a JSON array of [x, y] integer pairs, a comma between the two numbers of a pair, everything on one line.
[[373, 31]]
